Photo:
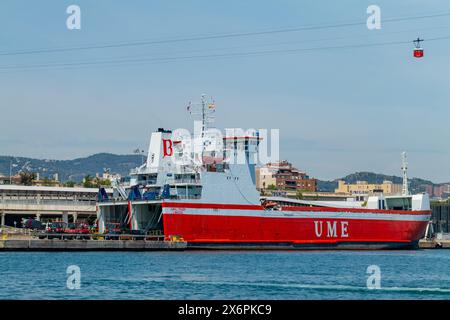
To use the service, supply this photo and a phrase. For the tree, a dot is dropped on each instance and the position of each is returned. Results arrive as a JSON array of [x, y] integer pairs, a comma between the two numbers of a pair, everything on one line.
[[69, 184], [105, 183], [87, 182], [27, 177], [95, 182], [271, 187]]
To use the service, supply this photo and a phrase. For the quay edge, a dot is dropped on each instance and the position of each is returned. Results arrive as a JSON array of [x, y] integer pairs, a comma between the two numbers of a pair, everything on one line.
[[434, 244], [89, 245]]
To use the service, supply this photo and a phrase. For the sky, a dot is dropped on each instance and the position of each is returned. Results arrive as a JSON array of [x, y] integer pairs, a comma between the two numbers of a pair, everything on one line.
[[345, 98]]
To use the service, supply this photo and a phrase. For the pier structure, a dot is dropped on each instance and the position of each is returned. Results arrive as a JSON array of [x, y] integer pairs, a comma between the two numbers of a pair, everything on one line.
[[440, 218], [39, 202], [89, 245]]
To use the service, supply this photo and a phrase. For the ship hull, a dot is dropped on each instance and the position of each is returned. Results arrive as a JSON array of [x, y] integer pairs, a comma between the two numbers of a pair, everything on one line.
[[212, 226], [296, 246]]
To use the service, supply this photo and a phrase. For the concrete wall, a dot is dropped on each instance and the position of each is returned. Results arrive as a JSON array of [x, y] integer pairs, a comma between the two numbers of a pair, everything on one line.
[[89, 245]]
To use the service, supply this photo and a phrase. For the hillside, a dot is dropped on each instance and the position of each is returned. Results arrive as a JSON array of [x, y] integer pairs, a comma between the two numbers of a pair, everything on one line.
[[74, 170], [77, 169], [415, 184]]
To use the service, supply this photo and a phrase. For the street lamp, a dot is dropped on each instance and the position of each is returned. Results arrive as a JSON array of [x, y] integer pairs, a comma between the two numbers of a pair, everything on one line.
[[11, 165]]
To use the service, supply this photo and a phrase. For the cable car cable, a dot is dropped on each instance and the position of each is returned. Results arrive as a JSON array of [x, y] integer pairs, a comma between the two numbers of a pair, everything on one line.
[[208, 56], [214, 36]]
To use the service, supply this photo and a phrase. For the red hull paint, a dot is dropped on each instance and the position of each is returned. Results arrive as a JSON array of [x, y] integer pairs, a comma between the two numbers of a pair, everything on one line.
[[226, 226], [260, 208]]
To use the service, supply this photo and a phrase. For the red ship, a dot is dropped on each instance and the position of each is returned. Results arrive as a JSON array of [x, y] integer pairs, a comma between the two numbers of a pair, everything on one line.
[[201, 189], [205, 225]]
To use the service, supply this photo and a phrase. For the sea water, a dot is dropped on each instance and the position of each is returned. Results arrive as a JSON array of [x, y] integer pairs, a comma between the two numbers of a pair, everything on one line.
[[415, 274]]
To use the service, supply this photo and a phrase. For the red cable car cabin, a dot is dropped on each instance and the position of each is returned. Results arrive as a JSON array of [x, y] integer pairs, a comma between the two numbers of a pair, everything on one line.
[[418, 53]]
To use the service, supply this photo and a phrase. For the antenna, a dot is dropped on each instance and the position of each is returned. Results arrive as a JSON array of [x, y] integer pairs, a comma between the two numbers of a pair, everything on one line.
[[405, 190], [204, 112]]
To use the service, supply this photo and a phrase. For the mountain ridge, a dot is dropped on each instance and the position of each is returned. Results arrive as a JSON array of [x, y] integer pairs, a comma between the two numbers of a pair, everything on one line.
[[72, 170], [76, 169]]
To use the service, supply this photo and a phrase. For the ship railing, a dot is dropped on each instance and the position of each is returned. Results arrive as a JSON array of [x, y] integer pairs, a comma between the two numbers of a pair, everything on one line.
[[168, 181], [184, 197], [48, 202], [146, 182], [187, 181], [181, 180], [158, 198]]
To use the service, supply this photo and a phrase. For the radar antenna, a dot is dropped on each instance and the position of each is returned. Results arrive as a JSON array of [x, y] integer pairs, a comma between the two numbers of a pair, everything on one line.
[[204, 112]]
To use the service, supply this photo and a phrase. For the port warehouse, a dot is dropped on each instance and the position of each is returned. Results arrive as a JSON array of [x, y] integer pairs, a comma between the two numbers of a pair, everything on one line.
[[47, 204], [72, 204]]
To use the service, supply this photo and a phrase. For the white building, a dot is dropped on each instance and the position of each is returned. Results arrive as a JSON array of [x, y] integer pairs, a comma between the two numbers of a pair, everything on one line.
[[17, 202]]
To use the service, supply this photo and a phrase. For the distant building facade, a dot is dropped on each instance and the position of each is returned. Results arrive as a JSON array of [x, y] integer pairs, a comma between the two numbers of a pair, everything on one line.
[[265, 178], [441, 191], [108, 176], [9, 180], [53, 181], [283, 176], [363, 188]]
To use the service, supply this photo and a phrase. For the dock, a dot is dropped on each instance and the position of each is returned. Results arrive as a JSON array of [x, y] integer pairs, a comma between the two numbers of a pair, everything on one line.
[[131, 245], [89, 245], [434, 244]]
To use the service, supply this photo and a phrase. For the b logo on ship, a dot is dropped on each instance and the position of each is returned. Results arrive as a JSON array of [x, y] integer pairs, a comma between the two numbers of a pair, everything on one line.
[[167, 148], [331, 229]]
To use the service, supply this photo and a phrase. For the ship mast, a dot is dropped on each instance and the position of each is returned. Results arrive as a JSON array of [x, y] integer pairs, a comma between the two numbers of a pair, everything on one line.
[[204, 112], [203, 115], [405, 190]]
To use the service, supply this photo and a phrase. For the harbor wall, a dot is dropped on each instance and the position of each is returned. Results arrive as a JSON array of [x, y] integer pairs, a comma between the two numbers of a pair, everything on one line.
[[88, 245]]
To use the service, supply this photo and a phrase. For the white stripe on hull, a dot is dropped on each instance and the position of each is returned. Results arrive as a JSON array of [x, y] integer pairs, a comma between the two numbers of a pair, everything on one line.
[[297, 214]]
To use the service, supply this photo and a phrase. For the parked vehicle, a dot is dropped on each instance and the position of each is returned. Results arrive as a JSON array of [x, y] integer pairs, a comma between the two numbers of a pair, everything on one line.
[[54, 229], [33, 224], [112, 230], [77, 230], [139, 233]]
